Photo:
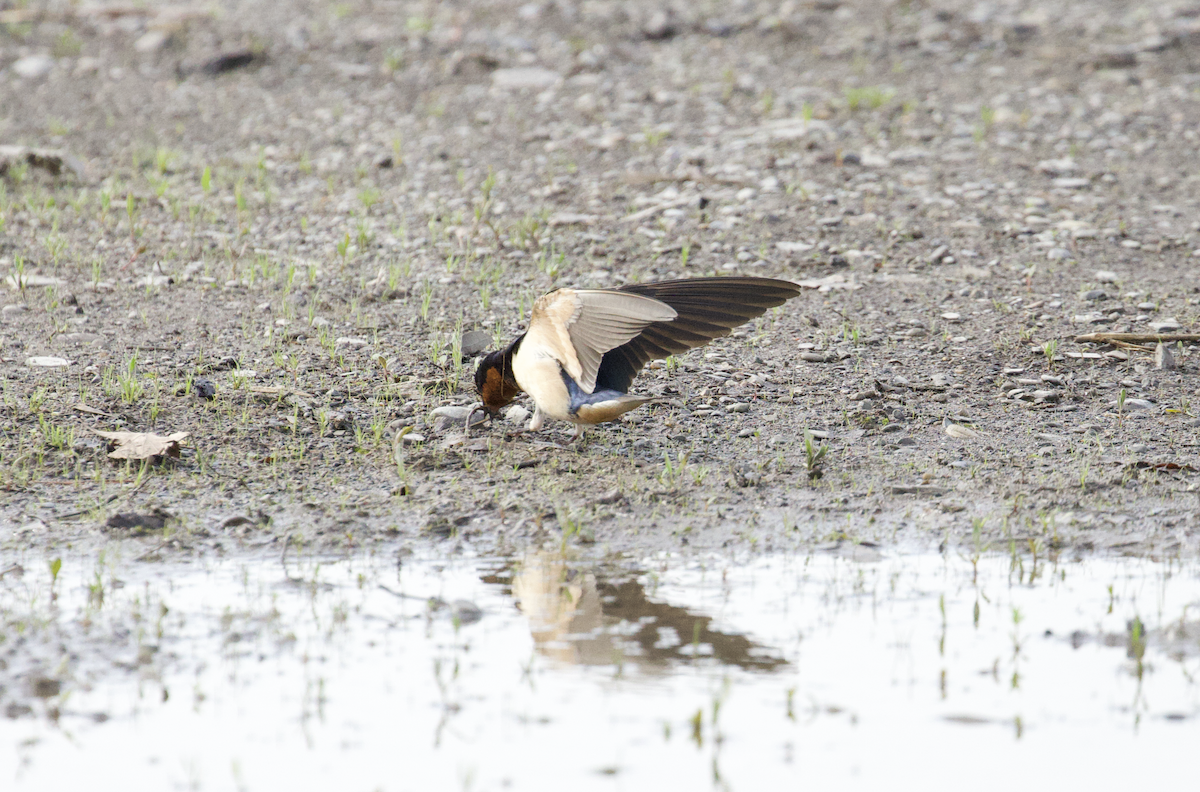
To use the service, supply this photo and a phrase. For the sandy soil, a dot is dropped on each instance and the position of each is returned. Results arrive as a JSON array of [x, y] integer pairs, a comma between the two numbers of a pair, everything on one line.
[[299, 210]]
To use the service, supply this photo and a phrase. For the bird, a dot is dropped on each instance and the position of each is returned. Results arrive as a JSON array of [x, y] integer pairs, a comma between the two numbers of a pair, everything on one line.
[[583, 347]]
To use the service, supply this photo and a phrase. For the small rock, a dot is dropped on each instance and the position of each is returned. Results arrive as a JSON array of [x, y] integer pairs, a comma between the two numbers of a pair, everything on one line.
[[572, 218], [473, 342], [1058, 167], [14, 309], [1072, 183], [356, 343], [155, 281], [1058, 254], [1163, 358], [81, 338], [412, 437], [659, 25], [204, 388], [531, 77], [517, 414], [45, 687], [86, 65], [1095, 295], [1166, 325], [139, 524], [587, 103], [228, 61], [47, 361], [453, 412], [1134, 404], [152, 41], [1115, 58], [738, 407], [1105, 276], [33, 67]]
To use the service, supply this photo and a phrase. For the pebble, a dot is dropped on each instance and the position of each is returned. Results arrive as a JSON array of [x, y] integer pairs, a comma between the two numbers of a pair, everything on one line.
[[659, 25], [1134, 404], [33, 67], [517, 414], [1095, 295], [1072, 183], [1058, 254], [738, 407], [1163, 359], [204, 388], [47, 361], [529, 77], [475, 341], [152, 41], [1166, 325], [357, 343], [1058, 167], [453, 412], [1105, 276], [81, 338]]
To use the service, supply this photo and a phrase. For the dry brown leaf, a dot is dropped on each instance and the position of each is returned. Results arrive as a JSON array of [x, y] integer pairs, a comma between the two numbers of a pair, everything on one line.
[[142, 445]]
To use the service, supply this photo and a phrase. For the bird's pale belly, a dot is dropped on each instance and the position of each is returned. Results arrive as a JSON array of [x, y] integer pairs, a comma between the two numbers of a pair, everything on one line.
[[559, 397], [541, 377]]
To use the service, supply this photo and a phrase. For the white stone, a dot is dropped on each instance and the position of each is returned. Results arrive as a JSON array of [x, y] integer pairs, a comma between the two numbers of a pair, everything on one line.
[[533, 77], [33, 67]]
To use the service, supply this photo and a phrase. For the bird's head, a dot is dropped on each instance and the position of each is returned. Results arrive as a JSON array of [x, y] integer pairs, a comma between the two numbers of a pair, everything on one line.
[[494, 380]]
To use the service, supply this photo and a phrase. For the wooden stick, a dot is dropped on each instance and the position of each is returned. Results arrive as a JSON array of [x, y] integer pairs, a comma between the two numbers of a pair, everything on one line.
[[1135, 338]]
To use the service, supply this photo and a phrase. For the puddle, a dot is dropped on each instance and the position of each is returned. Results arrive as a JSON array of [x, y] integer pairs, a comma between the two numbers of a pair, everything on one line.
[[416, 673]]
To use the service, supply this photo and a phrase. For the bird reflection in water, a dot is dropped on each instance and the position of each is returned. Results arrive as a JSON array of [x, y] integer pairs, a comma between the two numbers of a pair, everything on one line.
[[587, 616]]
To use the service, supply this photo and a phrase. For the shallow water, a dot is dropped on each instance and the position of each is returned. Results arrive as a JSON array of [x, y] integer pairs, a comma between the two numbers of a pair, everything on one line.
[[416, 673]]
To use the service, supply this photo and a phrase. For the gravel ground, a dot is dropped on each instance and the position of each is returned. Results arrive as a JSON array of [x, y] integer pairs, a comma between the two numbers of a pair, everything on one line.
[[276, 226]]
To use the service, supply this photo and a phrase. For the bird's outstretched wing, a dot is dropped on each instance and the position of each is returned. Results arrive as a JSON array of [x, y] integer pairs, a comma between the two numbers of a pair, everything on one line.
[[578, 326], [706, 308]]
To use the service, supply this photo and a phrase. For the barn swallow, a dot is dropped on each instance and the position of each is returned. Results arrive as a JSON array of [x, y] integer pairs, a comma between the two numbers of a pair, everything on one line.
[[584, 346]]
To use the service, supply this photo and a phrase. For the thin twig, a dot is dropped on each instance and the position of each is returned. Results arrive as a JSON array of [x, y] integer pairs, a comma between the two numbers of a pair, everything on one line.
[[1135, 338]]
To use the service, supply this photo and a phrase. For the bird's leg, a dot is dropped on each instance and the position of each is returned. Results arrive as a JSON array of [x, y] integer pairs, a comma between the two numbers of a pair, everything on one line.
[[578, 434], [538, 420]]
